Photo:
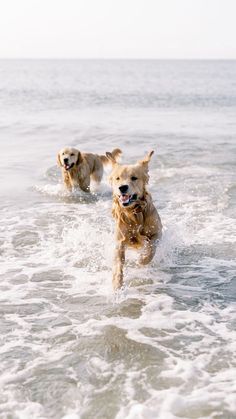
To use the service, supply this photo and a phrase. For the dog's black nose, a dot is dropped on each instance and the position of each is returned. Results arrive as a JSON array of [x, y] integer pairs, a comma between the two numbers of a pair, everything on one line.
[[124, 188], [66, 161]]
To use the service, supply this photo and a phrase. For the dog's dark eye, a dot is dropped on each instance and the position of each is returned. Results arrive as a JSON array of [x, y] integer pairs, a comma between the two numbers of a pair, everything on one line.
[[134, 178], [72, 154], [117, 178], [63, 154]]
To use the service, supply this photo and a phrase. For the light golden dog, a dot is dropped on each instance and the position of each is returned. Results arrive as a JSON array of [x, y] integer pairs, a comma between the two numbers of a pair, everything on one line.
[[79, 168], [138, 224]]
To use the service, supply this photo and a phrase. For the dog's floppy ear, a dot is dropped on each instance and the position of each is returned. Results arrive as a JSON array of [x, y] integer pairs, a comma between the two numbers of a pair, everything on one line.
[[111, 158], [147, 158], [79, 158], [59, 160]]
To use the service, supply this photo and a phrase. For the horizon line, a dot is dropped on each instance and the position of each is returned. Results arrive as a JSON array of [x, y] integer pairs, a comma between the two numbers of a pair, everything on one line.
[[118, 59]]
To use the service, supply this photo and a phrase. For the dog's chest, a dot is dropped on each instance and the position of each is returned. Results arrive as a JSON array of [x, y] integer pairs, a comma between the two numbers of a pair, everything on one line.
[[75, 177], [133, 234]]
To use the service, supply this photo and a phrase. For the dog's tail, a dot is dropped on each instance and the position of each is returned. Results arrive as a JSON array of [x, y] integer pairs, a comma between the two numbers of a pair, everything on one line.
[[115, 154]]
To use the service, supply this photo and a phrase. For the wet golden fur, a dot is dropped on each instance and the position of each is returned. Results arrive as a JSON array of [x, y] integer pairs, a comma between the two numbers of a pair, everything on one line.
[[138, 224], [82, 167]]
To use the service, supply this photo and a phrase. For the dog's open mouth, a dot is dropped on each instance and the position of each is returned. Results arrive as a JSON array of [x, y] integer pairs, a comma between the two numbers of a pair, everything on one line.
[[126, 199], [68, 166]]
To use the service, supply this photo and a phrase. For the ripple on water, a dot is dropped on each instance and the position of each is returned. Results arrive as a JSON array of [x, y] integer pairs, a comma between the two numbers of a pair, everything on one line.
[[164, 346]]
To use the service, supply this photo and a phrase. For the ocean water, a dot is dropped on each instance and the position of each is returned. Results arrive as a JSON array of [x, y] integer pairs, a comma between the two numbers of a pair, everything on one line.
[[164, 347]]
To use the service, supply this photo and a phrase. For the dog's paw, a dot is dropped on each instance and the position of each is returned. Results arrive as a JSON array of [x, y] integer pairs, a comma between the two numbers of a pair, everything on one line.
[[145, 258]]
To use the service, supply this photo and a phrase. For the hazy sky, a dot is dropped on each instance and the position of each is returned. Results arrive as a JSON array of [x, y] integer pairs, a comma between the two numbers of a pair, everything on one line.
[[118, 28]]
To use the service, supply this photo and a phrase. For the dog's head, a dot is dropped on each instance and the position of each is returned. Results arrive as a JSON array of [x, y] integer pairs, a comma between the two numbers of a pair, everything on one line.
[[69, 157], [129, 182]]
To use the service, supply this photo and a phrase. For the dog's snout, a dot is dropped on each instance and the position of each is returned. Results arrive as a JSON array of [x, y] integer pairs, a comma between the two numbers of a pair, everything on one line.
[[66, 160], [124, 188]]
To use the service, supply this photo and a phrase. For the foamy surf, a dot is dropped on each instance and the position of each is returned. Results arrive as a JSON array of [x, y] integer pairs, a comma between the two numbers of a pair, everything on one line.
[[163, 346]]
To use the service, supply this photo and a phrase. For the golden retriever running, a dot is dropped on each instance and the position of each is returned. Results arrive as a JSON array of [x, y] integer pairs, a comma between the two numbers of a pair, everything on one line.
[[137, 221], [79, 168]]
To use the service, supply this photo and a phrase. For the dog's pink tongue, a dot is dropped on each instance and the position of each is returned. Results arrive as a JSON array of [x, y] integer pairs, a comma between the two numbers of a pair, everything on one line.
[[124, 198]]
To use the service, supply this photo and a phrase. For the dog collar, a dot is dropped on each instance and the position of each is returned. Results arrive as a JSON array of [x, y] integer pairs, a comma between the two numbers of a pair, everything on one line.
[[137, 208]]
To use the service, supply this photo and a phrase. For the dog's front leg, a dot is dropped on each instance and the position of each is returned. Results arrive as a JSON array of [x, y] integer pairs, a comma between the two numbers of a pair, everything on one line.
[[149, 251], [67, 181], [119, 260], [85, 186]]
